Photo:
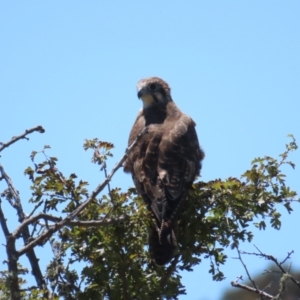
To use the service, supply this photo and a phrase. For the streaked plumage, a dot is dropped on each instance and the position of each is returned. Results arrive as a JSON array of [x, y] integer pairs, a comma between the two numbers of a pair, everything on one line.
[[164, 163]]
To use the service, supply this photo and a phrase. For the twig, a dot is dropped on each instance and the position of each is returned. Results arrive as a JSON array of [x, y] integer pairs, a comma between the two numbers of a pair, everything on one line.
[[35, 208], [108, 185], [284, 277], [46, 235], [22, 136], [279, 265], [249, 276]]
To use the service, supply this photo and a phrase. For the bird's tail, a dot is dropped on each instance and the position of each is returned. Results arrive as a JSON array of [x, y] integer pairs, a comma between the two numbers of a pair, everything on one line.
[[161, 251]]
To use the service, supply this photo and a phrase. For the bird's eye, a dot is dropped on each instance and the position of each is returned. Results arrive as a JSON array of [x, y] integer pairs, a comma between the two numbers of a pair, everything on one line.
[[152, 86]]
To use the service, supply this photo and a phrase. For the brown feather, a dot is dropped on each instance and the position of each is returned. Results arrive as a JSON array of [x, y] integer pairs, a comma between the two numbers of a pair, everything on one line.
[[164, 163]]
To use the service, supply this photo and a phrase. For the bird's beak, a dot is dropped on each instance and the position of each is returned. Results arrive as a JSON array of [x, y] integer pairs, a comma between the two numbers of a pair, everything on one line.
[[142, 92]]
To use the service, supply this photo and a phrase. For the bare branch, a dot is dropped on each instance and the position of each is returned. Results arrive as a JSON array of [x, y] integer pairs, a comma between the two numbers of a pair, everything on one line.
[[12, 259], [250, 289], [35, 208], [279, 265], [3, 222], [97, 223], [46, 235], [285, 275], [30, 288], [22, 136]]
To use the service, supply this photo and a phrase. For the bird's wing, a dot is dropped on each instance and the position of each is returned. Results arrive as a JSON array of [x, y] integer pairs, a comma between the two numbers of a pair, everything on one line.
[[163, 165]]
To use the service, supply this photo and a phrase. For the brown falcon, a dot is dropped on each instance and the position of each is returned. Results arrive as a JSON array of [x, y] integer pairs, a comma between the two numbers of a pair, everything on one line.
[[164, 162]]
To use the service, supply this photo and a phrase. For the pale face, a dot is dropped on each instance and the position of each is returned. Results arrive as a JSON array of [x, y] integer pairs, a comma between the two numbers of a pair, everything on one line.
[[152, 91]]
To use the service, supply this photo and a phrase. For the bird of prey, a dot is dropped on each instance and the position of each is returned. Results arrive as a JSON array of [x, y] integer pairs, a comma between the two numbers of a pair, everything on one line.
[[163, 163]]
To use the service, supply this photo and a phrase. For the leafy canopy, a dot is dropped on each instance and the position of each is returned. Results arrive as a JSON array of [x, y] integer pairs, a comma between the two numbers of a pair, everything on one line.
[[109, 237]]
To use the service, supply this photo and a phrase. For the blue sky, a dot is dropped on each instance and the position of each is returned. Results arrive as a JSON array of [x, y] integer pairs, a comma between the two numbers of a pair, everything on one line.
[[234, 67]]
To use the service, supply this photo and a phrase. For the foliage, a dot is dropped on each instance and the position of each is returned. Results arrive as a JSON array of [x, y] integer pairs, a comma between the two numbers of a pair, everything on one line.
[[109, 236]]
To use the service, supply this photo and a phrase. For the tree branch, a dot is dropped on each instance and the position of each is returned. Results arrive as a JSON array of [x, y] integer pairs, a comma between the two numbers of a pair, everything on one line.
[[12, 259], [46, 235], [254, 290], [36, 271], [279, 265], [3, 222], [285, 275], [14, 195], [108, 185], [44, 216], [22, 136]]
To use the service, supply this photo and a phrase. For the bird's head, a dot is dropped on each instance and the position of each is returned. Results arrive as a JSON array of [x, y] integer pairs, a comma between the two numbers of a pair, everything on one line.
[[153, 90]]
